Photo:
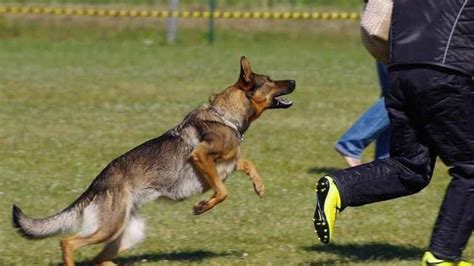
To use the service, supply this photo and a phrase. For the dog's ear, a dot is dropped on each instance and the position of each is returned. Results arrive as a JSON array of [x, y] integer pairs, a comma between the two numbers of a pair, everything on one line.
[[245, 70], [246, 75]]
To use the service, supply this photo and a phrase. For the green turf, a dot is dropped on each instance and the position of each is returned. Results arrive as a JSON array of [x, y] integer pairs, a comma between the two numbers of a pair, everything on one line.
[[72, 98]]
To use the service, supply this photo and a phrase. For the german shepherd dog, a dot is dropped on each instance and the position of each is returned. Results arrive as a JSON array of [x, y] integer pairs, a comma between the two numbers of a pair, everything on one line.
[[196, 155]]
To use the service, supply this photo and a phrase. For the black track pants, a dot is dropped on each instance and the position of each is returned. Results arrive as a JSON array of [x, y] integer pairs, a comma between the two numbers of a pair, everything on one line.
[[431, 112]]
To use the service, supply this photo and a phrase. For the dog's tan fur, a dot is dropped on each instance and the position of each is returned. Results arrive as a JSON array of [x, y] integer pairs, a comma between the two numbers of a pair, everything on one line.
[[196, 155]]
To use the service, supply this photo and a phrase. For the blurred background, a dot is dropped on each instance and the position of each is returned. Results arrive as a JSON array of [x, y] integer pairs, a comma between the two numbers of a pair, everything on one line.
[[83, 81], [201, 3]]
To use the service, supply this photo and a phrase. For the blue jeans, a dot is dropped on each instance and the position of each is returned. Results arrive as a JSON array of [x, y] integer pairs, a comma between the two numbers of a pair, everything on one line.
[[373, 125]]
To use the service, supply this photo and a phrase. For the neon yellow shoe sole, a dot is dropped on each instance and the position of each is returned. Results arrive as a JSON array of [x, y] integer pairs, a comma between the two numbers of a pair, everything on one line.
[[430, 260], [328, 205]]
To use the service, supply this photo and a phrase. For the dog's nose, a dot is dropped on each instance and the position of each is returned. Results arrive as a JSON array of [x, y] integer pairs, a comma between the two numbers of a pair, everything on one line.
[[292, 83]]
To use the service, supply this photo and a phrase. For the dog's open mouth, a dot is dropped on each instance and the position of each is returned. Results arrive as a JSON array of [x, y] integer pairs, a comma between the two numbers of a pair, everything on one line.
[[281, 102], [278, 100]]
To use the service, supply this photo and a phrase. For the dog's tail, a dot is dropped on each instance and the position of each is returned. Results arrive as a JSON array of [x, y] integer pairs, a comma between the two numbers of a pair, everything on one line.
[[62, 222]]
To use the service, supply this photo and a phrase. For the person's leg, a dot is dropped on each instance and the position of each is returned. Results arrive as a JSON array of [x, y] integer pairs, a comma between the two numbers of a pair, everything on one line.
[[455, 222], [365, 130], [411, 164], [448, 110], [407, 171], [382, 143]]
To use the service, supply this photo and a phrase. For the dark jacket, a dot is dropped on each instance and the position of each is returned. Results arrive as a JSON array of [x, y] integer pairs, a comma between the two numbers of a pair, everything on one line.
[[435, 32]]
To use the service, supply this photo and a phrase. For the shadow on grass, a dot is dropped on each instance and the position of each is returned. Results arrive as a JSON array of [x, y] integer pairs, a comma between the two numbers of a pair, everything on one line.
[[367, 252], [322, 170], [184, 256]]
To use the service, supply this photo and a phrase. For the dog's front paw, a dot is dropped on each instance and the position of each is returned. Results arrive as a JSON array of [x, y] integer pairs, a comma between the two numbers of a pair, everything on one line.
[[259, 189], [201, 207]]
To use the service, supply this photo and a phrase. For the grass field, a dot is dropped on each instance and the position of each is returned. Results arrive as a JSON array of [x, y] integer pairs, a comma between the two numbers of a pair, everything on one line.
[[221, 4], [75, 96]]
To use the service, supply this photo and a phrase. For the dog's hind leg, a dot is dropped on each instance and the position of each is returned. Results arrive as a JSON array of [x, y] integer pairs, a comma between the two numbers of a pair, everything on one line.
[[132, 234], [71, 244], [249, 169], [109, 252], [108, 222]]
